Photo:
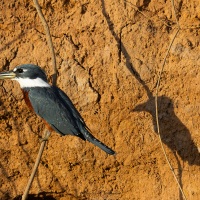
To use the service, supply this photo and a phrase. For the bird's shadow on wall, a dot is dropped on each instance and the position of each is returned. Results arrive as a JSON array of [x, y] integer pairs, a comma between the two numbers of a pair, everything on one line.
[[174, 133]]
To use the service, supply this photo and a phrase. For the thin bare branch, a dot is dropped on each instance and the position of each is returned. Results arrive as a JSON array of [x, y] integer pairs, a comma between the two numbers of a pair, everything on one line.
[[49, 40], [173, 7], [47, 133], [156, 105], [37, 162]]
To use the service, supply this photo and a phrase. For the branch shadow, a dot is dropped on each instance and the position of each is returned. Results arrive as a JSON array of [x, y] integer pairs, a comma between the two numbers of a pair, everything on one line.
[[3, 168], [122, 49], [12, 185], [20, 36], [173, 132]]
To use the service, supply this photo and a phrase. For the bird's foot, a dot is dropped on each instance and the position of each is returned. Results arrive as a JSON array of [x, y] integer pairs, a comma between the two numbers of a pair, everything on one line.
[[46, 137]]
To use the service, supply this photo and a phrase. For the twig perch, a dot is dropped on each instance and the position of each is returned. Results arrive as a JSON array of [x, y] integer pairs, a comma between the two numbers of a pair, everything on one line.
[[37, 162], [49, 40], [47, 133]]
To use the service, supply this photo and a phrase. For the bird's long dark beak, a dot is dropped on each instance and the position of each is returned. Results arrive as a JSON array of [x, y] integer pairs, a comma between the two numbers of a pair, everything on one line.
[[7, 75]]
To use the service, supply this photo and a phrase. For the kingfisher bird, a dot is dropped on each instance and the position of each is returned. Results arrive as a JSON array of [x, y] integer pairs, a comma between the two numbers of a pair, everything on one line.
[[51, 104]]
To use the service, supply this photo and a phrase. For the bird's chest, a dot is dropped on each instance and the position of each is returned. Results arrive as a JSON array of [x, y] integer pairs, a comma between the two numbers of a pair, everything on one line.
[[27, 100]]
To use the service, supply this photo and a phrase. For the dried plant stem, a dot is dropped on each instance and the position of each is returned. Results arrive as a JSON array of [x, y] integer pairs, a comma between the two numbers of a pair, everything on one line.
[[156, 101], [37, 162], [49, 40], [177, 23], [47, 133], [157, 118]]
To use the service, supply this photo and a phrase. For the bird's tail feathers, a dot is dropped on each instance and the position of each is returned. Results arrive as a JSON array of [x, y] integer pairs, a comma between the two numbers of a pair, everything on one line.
[[89, 137]]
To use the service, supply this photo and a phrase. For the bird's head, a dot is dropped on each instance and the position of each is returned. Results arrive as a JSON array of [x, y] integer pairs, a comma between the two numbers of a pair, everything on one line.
[[27, 75]]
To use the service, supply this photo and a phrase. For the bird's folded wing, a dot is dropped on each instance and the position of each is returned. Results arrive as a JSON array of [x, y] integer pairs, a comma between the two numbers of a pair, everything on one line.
[[50, 107]]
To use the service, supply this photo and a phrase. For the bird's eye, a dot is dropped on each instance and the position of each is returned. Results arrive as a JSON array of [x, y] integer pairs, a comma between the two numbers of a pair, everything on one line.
[[19, 70]]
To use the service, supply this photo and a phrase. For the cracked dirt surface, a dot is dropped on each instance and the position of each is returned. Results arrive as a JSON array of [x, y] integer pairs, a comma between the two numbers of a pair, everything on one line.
[[109, 54]]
